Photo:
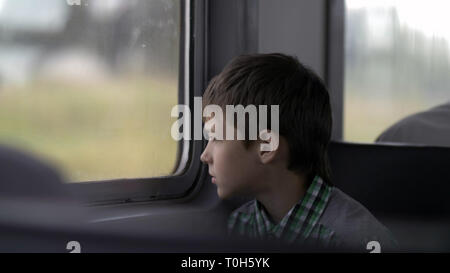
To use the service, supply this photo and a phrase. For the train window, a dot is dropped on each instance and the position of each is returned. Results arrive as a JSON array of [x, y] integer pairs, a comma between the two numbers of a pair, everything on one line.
[[89, 85], [397, 62]]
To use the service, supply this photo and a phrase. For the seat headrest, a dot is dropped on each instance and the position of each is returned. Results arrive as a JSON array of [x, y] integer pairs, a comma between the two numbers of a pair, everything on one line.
[[23, 175]]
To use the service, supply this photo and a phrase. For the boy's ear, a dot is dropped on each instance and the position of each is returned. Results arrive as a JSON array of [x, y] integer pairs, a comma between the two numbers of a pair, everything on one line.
[[268, 147]]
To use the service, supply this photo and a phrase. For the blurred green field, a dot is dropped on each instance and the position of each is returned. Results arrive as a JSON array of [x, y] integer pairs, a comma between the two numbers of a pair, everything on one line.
[[365, 118], [118, 128]]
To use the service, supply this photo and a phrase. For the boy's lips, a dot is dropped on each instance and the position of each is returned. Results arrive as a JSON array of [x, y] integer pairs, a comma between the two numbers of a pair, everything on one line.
[[213, 179]]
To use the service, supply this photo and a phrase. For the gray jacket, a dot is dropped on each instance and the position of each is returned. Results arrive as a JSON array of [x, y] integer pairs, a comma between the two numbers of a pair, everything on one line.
[[355, 228]]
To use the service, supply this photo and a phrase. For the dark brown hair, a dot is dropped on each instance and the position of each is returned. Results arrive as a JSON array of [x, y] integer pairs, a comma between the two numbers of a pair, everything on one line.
[[304, 104]]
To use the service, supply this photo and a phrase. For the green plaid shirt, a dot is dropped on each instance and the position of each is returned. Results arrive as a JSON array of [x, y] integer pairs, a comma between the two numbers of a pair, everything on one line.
[[299, 225]]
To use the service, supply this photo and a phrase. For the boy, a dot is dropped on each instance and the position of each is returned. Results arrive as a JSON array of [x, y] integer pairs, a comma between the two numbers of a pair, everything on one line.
[[295, 201]]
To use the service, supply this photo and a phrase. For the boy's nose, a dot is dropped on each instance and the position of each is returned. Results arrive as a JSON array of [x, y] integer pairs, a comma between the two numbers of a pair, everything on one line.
[[205, 157]]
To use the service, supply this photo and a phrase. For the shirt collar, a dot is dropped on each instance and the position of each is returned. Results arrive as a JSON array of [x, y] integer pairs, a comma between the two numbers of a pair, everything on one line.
[[301, 218]]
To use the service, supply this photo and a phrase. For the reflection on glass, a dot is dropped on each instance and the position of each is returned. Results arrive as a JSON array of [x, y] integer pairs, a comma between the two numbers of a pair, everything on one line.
[[397, 62], [90, 87]]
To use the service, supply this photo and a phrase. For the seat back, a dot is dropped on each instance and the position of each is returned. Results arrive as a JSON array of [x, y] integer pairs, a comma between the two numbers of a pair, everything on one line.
[[394, 179]]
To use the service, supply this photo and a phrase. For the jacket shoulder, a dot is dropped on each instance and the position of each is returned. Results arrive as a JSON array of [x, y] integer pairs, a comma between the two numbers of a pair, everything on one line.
[[353, 225]]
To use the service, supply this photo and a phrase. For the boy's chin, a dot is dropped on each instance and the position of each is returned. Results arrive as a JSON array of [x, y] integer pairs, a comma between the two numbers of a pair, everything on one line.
[[231, 194], [223, 194]]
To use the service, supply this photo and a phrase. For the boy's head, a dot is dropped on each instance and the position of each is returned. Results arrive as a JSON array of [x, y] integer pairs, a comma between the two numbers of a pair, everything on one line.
[[239, 166]]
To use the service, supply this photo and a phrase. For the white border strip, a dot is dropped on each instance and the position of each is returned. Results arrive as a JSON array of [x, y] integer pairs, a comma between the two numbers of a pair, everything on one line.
[[187, 46]]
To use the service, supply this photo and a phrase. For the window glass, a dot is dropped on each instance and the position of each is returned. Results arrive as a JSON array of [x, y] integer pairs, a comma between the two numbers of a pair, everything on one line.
[[397, 63], [89, 85]]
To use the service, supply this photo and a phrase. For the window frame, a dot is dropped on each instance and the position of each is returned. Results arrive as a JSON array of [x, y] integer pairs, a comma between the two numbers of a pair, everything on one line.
[[334, 62], [186, 170]]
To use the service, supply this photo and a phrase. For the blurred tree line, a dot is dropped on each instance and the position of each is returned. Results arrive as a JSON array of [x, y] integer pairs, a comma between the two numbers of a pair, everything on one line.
[[387, 58], [149, 30], [134, 36]]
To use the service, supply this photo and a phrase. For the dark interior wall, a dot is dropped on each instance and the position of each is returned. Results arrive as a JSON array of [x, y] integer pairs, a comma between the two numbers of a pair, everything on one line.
[[295, 27], [232, 30]]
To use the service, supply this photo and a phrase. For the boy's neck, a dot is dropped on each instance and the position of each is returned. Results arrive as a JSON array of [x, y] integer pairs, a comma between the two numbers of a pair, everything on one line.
[[282, 194]]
